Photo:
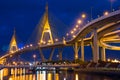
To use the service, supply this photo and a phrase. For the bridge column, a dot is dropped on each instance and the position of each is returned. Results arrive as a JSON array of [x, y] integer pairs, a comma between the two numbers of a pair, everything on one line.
[[76, 49], [82, 49], [51, 54], [41, 55], [95, 47], [103, 54], [60, 53]]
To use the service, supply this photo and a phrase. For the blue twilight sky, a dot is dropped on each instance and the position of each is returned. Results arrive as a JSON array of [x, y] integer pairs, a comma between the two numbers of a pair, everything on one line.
[[24, 15]]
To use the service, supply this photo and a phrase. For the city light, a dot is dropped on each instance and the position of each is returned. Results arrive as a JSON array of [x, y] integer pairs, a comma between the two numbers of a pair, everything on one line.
[[27, 46], [31, 45], [113, 60], [56, 39], [49, 41], [73, 36], [64, 41], [34, 56], [44, 42], [41, 41]]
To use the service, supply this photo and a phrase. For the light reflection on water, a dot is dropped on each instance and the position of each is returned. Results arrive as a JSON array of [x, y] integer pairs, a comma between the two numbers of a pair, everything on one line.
[[25, 74]]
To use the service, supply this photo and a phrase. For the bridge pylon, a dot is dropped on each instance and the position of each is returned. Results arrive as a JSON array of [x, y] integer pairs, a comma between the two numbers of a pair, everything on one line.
[[13, 44], [46, 31]]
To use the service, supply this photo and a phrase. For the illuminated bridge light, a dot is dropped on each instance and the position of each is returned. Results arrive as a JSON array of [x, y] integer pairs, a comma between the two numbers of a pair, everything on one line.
[[12, 52], [83, 16], [31, 45], [79, 21], [27, 46], [49, 41], [73, 36], [72, 32], [76, 26], [56, 40], [108, 60], [106, 13], [38, 43], [44, 42], [41, 41], [67, 34], [74, 29]]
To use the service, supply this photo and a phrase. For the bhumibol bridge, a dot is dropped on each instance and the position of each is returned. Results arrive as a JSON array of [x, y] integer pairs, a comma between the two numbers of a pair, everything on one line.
[[104, 31]]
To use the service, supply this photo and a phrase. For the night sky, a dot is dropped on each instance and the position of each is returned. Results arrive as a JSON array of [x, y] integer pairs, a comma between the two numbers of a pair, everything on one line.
[[24, 15]]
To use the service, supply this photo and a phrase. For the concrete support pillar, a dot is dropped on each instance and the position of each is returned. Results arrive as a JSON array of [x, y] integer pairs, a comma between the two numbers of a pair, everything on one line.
[[95, 47], [103, 54], [41, 55], [60, 53], [76, 50], [82, 49], [51, 54]]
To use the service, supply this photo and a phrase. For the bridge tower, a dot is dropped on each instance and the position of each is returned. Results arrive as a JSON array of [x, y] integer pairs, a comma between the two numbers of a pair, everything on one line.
[[13, 44], [46, 31], [46, 35]]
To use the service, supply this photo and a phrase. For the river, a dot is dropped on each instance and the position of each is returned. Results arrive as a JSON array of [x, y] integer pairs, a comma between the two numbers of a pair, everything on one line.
[[26, 74]]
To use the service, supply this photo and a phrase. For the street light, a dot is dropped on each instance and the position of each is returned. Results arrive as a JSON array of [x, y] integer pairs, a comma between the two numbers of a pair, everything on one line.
[[83, 16], [106, 13], [111, 4], [79, 21], [34, 56]]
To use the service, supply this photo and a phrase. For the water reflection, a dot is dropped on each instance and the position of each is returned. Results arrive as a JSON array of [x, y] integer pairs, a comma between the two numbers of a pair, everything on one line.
[[76, 76], [27, 74]]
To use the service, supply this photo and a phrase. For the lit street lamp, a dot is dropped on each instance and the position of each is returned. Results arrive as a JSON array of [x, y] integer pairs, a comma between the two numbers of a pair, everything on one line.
[[34, 56], [111, 5]]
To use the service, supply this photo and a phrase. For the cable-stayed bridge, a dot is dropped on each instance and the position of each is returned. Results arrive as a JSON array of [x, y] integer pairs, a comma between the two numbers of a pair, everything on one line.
[[103, 30]]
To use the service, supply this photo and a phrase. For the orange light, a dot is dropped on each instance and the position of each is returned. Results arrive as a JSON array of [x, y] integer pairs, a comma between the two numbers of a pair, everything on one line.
[[83, 16], [49, 41], [73, 36], [44, 42], [77, 26], [106, 13], [79, 21], [71, 32], [74, 29]]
